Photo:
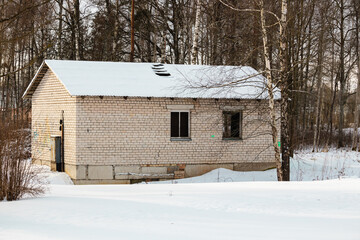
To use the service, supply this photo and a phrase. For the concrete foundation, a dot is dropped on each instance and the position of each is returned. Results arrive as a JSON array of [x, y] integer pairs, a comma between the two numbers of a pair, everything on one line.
[[254, 166], [200, 169], [88, 182], [70, 170], [126, 174], [100, 172]]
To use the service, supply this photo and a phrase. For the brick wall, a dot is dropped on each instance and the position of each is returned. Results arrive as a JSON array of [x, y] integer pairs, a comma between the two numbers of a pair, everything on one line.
[[48, 101], [115, 130]]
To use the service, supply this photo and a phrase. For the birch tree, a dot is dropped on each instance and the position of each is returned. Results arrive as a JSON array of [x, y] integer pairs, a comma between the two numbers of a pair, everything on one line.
[[270, 88], [280, 166], [196, 34]]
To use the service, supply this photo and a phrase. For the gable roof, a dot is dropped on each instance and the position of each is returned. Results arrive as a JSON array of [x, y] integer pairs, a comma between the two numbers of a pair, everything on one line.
[[90, 78]]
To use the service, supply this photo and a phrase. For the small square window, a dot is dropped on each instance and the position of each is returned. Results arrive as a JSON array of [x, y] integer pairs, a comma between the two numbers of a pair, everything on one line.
[[232, 128], [180, 125]]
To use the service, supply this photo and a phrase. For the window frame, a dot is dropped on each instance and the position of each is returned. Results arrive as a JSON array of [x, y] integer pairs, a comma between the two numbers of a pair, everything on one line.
[[240, 124], [188, 138]]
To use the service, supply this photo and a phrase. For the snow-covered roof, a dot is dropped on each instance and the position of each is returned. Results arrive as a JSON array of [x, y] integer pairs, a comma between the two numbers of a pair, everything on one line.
[[90, 78]]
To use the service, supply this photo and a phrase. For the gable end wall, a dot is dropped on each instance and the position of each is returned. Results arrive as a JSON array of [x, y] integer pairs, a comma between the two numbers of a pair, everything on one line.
[[48, 100]]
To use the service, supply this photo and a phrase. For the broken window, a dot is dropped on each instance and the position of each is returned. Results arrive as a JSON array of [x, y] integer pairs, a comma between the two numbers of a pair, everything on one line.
[[232, 128], [180, 125]]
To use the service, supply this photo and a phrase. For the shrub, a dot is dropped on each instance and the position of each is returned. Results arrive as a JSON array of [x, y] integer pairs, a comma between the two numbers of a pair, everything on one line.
[[18, 177]]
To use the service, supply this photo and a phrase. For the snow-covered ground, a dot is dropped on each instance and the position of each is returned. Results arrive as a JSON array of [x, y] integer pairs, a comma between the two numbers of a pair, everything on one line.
[[219, 205], [305, 166]]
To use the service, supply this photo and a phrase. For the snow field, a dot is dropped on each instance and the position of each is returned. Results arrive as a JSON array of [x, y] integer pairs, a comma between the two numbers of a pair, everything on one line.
[[211, 208]]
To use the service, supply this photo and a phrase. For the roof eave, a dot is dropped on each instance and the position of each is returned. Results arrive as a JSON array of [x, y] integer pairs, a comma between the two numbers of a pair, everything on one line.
[[175, 97], [35, 81]]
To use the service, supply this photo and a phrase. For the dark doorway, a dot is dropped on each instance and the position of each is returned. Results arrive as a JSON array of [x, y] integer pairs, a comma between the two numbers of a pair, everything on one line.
[[58, 158]]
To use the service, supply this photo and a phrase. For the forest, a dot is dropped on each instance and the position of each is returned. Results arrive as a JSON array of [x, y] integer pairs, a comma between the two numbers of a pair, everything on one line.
[[308, 48]]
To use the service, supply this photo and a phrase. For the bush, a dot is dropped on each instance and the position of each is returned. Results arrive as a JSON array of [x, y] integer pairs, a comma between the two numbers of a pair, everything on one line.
[[18, 177]]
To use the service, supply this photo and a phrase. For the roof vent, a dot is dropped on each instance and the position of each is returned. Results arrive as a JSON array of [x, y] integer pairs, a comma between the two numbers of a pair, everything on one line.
[[160, 70]]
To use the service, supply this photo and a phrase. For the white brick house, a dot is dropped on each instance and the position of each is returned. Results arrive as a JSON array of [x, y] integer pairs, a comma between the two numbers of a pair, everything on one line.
[[124, 122]]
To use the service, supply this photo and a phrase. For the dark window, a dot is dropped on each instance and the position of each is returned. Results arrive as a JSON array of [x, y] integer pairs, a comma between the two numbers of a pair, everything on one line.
[[175, 124], [180, 124], [232, 125]]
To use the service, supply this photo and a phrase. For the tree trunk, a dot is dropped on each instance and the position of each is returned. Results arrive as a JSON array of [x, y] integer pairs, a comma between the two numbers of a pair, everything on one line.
[[77, 29], [333, 91], [164, 31], [355, 141], [114, 45], [175, 33], [196, 34], [132, 31], [285, 135], [255, 42], [270, 84], [319, 85], [60, 29], [342, 76]]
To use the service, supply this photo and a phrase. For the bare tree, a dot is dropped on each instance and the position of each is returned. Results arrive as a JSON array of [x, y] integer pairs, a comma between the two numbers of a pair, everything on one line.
[[342, 78], [60, 29], [229, 33], [270, 84], [356, 8], [132, 31], [284, 86], [195, 49], [319, 78]]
